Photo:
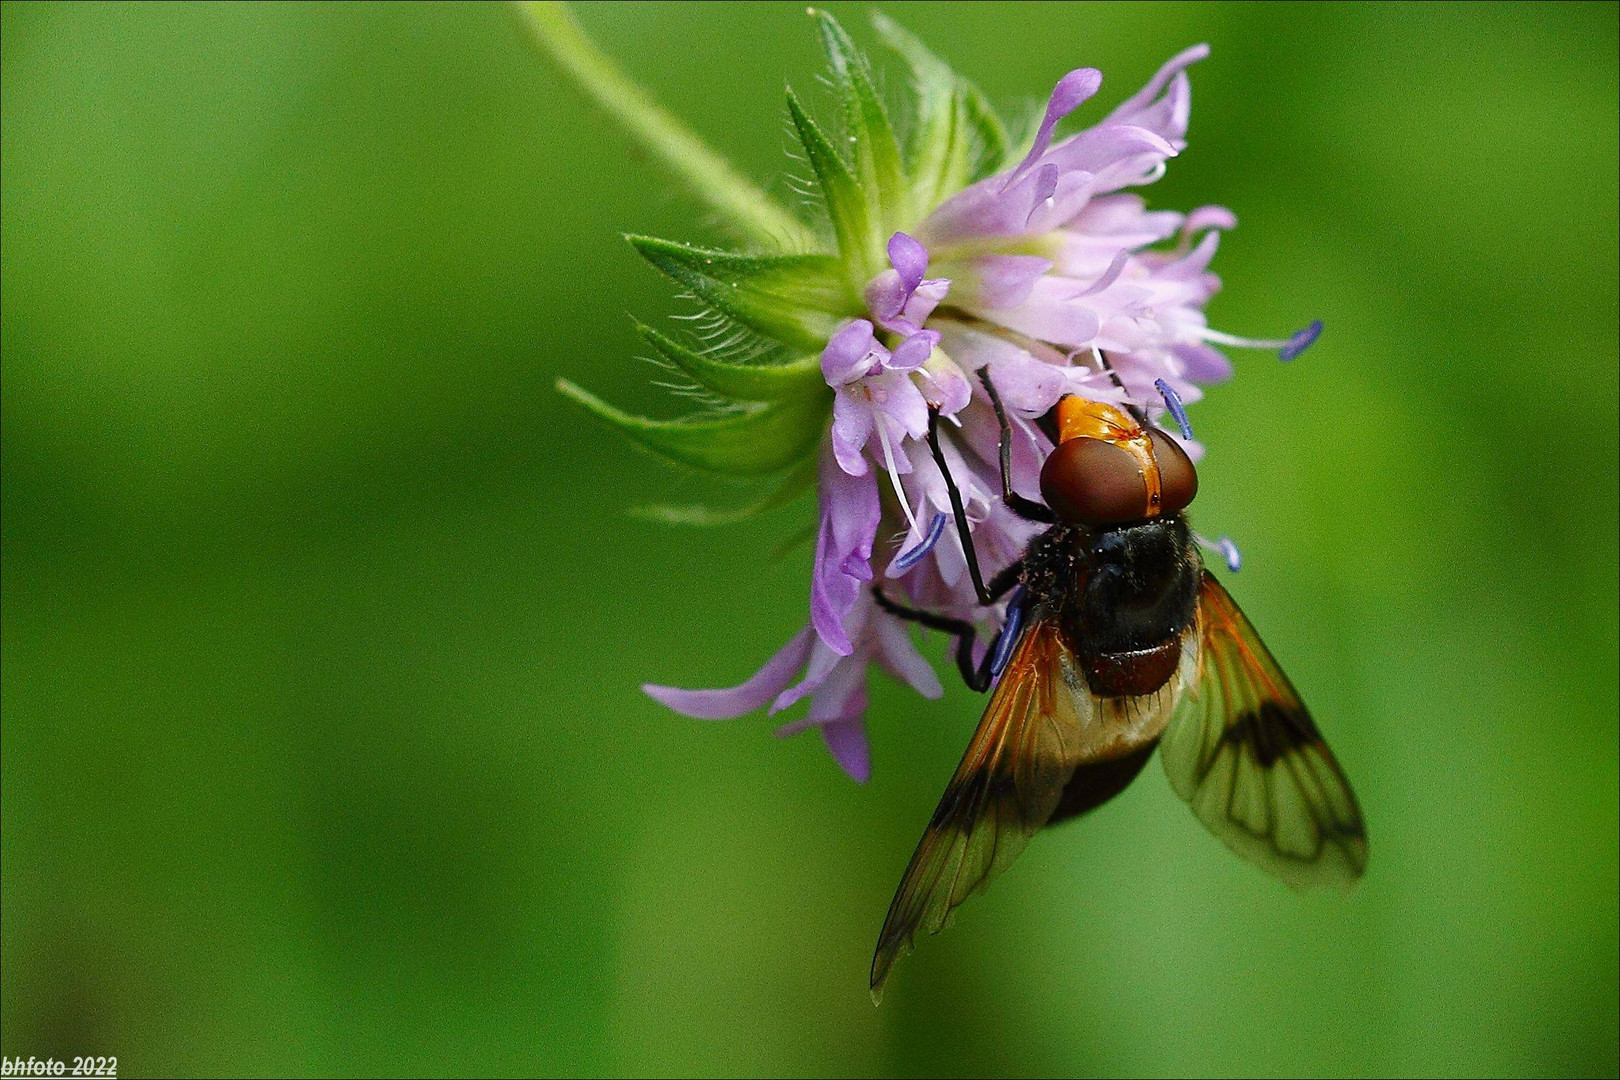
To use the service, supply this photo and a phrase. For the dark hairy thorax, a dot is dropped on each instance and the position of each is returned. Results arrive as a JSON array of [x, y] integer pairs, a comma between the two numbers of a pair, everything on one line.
[[1122, 595]]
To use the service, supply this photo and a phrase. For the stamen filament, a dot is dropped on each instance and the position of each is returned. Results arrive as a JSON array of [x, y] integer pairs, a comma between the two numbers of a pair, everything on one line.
[[1287, 348], [894, 474]]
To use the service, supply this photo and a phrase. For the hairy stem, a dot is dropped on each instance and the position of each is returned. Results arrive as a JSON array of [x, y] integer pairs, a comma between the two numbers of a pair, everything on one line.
[[552, 28]]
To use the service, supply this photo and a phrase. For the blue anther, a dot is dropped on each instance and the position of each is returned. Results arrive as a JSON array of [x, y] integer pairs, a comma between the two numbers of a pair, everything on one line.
[[1172, 401], [1300, 341], [1009, 633], [907, 559]]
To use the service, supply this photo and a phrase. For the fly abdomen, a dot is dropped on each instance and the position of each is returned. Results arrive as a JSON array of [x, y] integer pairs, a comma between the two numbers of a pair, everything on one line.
[[1133, 674]]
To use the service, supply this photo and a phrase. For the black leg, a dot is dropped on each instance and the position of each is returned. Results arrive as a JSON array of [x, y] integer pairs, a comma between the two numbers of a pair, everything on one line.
[[957, 509], [1009, 575], [1028, 509], [978, 676]]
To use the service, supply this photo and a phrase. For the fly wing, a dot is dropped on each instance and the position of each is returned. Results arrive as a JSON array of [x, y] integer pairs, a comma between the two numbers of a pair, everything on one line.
[[1244, 753], [1041, 723]]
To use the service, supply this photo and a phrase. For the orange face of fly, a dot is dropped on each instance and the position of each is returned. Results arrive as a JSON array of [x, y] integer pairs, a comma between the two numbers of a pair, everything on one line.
[[1108, 470]]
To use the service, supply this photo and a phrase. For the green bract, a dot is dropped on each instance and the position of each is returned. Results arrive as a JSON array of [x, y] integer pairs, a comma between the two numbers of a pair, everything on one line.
[[792, 300], [775, 305]]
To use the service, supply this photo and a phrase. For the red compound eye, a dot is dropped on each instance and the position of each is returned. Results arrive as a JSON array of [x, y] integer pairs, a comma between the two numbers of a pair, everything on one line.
[[1093, 482], [1178, 480]]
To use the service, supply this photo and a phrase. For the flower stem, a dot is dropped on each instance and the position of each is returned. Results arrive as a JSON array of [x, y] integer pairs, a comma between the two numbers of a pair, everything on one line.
[[554, 30]]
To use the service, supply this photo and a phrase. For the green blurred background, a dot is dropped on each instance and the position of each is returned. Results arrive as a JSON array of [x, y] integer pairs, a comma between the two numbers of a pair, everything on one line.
[[323, 622]]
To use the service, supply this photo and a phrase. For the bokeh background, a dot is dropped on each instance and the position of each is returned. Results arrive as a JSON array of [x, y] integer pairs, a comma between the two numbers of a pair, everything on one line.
[[323, 618]]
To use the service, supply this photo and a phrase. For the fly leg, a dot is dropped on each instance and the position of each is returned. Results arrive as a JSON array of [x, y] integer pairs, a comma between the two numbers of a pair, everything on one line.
[[1028, 509], [978, 676], [986, 598]]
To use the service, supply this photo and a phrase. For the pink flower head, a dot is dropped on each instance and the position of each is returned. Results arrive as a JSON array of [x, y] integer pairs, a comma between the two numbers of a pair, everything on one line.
[[1049, 277]]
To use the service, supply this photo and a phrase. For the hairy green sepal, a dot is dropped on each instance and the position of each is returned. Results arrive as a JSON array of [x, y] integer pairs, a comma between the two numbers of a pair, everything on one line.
[[749, 440], [796, 299]]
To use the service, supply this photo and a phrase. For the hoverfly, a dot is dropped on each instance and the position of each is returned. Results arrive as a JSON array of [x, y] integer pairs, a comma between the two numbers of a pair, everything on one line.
[[1116, 641]]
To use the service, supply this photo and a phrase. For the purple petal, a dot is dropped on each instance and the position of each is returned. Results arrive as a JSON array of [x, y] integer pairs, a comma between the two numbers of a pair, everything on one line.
[[845, 357], [886, 296], [1042, 188], [831, 593], [984, 209], [823, 663], [1005, 280], [1123, 221], [769, 681], [851, 427], [1130, 110], [1050, 314], [1196, 261], [924, 299], [846, 741], [851, 504], [1069, 196], [1140, 372], [946, 388], [1202, 363], [1069, 93], [850, 511], [839, 695], [905, 404], [900, 658], [1208, 217], [909, 259], [1117, 156], [1129, 147], [913, 352], [842, 695], [980, 210], [1026, 384], [1034, 203], [1108, 277]]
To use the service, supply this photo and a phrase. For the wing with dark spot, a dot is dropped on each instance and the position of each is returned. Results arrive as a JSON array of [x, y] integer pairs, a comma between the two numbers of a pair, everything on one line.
[[1243, 752], [1041, 723], [1008, 783]]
